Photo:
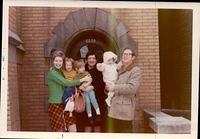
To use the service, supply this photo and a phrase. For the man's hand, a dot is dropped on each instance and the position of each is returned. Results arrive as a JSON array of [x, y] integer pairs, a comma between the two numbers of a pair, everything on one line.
[[110, 87]]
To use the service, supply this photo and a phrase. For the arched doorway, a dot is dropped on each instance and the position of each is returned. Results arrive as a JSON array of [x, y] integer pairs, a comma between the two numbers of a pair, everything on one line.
[[89, 40], [89, 29]]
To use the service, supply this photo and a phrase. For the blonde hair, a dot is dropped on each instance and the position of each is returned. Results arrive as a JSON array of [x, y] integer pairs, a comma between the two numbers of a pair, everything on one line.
[[67, 59], [79, 63]]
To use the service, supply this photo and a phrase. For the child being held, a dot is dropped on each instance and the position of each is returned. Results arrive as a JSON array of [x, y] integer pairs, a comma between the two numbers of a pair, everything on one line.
[[87, 89], [109, 71], [68, 95]]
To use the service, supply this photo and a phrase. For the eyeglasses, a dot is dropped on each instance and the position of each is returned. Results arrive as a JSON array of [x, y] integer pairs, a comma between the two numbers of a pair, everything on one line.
[[128, 54]]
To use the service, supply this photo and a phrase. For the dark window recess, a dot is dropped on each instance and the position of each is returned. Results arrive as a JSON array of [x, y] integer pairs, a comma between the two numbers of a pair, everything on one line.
[[175, 38]]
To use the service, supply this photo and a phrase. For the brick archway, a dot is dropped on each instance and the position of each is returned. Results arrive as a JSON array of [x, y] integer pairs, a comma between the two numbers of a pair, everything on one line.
[[94, 20]]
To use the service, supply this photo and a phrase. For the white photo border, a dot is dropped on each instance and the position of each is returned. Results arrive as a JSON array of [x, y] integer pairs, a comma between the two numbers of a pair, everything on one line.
[[105, 4]]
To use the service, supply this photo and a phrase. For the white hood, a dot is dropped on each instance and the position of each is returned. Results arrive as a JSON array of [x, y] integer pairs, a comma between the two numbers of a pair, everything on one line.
[[108, 55]]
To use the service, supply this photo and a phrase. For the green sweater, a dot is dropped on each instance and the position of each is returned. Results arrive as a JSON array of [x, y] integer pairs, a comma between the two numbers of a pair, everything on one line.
[[57, 83]]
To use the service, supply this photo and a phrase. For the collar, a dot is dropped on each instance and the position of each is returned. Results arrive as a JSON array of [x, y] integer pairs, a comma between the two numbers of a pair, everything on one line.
[[89, 69], [125, 68]]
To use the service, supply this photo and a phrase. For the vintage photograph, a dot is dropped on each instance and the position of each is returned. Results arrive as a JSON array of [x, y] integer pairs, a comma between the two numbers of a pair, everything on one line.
[[99, 70]]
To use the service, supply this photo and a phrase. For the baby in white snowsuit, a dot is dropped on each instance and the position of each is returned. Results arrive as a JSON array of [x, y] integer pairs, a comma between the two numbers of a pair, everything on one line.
[[109, 71]]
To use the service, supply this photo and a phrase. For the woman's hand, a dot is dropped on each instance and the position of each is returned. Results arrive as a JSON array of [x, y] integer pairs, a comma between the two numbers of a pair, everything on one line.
[[81, 87], [86, 79], [110, 87]]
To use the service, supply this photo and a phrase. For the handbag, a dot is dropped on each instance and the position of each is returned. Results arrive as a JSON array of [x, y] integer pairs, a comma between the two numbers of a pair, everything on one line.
[[79, 102]]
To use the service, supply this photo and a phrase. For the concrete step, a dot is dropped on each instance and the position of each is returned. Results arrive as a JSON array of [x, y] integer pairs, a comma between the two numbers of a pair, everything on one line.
[[170, 124], [154, 113]]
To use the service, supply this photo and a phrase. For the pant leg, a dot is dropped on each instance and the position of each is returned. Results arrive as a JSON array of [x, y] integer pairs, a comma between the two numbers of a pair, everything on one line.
[[68, 92], [101, 96], [88, 105], [81, 121], [93, 99], [119, 126]]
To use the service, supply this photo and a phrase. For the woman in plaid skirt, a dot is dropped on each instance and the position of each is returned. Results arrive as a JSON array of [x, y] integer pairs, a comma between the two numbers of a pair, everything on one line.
[[60, 120]]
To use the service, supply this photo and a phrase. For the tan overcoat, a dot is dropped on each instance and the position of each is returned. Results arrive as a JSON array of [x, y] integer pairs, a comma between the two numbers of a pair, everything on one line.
[[124, 101]]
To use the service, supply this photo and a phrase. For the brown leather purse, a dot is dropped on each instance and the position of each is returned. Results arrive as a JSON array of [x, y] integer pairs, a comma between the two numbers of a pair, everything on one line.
[[79, 101]]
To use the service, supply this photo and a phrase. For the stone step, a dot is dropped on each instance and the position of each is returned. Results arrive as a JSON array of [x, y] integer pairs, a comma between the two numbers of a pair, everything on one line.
[[154, 113], [170, 124]]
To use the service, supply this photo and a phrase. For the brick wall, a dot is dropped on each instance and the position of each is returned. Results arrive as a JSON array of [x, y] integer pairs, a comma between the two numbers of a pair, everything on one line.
[[14, 19], [34, 32], [13, 112], [36, 26]]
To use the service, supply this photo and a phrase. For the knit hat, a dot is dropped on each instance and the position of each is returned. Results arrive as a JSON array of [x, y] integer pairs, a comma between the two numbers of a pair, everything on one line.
[[109, 55]]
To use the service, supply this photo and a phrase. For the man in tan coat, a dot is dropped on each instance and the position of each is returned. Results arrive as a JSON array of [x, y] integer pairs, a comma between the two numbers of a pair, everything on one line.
[[121, 112]]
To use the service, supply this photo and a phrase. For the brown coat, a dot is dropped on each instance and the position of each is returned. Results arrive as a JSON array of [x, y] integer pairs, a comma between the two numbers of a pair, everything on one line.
[[124, 100]]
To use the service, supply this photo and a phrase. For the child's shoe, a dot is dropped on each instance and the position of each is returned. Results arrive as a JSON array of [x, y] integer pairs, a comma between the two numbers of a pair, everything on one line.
[[90, 120], [98, 118]]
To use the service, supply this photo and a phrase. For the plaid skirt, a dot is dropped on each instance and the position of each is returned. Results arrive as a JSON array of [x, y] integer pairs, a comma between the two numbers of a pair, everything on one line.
[[59, 120]]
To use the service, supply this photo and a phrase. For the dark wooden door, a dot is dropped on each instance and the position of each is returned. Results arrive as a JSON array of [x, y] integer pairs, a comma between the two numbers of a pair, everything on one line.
[[175, 37]]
